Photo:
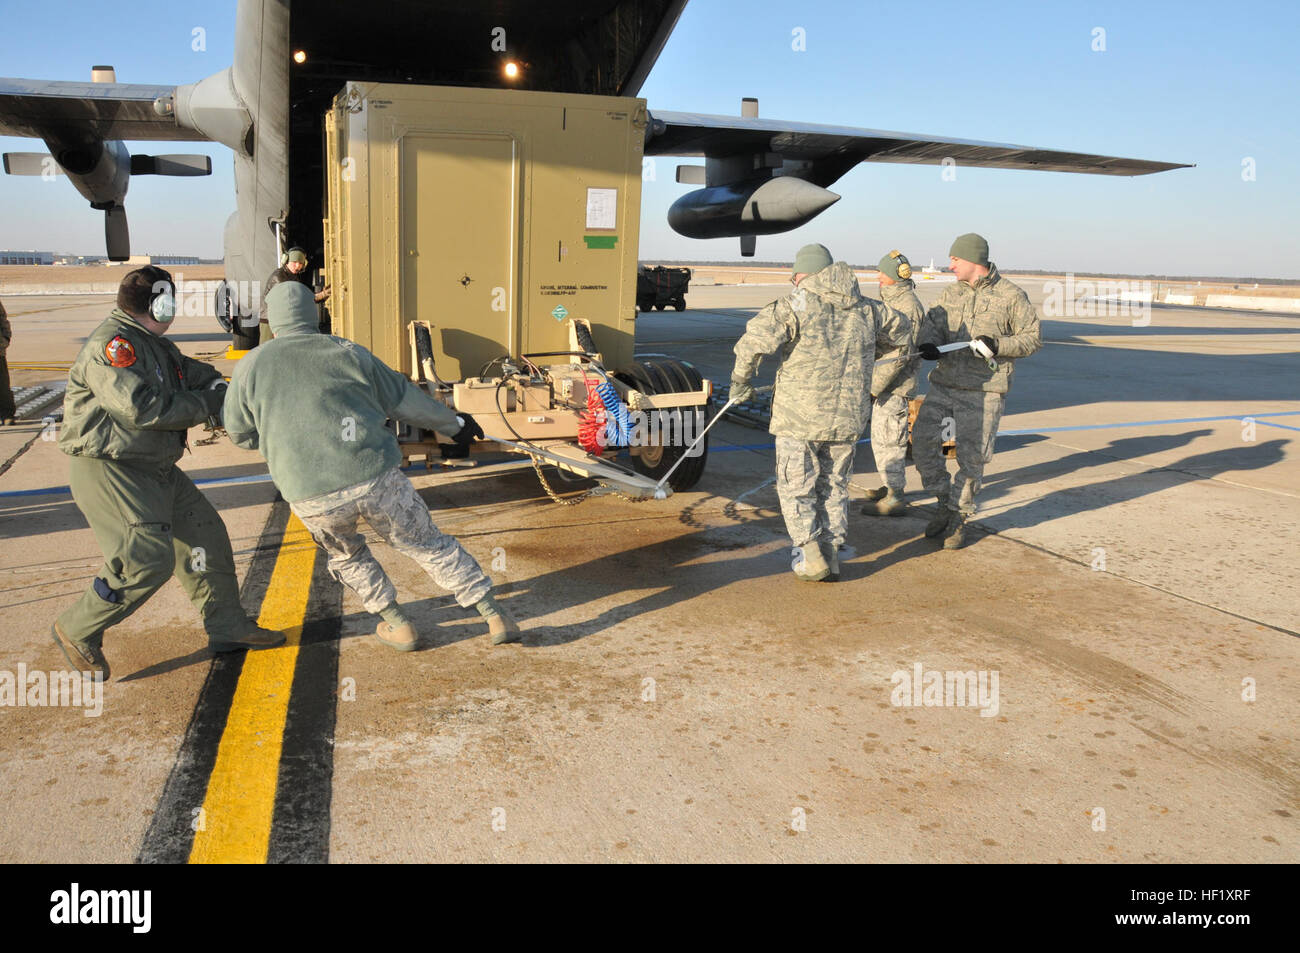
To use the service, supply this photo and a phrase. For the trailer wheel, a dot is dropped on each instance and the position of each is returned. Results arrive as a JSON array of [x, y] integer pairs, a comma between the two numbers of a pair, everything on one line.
[[659, 305], [669, 377], [679, 304]]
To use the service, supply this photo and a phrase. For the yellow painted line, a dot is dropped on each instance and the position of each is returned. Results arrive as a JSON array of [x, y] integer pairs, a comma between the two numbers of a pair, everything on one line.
[[235, 823]]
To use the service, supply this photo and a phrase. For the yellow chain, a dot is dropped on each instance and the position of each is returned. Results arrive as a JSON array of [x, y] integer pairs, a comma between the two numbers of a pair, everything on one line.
[[575, 500], [563, 501]]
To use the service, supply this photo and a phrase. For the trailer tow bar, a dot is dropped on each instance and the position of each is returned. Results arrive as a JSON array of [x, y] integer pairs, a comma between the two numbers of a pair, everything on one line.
[[659, 487]]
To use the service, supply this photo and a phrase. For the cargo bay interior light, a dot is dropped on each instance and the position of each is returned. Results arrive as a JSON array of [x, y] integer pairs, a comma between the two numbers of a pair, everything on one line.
[[300, 56], [511, 69]]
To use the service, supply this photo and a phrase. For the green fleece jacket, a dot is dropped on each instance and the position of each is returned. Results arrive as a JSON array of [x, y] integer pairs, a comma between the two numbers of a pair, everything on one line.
[[317, 405]]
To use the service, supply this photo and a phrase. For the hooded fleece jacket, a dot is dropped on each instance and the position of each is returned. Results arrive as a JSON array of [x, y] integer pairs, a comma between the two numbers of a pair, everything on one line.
[[317, 405], [826, 335]]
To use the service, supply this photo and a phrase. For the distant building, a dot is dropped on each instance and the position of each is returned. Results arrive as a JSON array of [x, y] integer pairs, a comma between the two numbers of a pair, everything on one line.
[[141, 260], [26, 257]]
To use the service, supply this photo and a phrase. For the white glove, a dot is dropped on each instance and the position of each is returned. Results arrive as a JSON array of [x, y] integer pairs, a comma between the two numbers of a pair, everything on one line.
[[984, 352]]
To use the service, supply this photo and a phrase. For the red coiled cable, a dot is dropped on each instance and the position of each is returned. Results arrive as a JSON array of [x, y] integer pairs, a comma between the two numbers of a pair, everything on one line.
[[592, 423]]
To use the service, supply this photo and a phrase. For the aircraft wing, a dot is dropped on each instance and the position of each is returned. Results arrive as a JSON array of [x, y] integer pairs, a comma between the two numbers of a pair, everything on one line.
[[106, 111], [833, 150]]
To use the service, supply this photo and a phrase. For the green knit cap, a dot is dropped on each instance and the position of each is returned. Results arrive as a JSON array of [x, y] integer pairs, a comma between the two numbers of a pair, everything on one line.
[[971, 247], [296, 254], [812, 259], [891, 265]]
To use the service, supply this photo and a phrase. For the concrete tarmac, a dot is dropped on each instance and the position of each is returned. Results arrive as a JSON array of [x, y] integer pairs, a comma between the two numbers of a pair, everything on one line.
[[680, 695]]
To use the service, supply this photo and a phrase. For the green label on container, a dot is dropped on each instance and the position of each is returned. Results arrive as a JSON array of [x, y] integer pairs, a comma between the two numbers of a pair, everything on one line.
[[600, 241]]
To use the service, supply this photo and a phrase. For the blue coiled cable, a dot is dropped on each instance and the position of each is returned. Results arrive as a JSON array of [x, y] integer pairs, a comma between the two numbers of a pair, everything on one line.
[[618, 428]]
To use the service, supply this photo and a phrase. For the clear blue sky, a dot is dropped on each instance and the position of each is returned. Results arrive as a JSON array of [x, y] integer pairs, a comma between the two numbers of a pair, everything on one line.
[[1205, 83]]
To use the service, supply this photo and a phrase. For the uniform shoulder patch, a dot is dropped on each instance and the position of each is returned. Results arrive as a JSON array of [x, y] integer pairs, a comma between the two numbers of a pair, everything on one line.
[[120, 352]]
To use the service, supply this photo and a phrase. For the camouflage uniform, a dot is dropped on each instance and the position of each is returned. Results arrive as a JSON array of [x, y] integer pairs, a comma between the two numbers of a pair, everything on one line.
[[812, 482], [826, 334], [395, 511], [893, 385], [963, 389]]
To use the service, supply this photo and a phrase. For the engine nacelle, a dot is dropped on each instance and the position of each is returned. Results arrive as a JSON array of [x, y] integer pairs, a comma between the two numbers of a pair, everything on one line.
[[100, 170], [758, 206]]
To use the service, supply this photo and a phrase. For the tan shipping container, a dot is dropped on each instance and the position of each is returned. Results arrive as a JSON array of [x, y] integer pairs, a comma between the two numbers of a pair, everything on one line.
[[495, 215]]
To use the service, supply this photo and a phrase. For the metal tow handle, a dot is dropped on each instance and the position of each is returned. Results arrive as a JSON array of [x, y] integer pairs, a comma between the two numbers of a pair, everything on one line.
[[659, 487], [943, 349]]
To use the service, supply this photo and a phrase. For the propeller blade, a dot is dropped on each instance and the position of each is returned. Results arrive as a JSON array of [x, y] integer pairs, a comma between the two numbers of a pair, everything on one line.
[[184, 165], [31, 163], [116, 234]]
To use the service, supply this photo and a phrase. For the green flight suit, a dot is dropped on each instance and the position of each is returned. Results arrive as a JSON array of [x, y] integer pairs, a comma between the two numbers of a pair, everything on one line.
[[131, 398]]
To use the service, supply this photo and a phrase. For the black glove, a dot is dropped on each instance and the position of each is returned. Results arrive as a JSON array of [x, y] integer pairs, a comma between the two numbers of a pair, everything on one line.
[[216, 417], [214, 400], [470, 432], [928, 351], [988, 342], [453, 451]]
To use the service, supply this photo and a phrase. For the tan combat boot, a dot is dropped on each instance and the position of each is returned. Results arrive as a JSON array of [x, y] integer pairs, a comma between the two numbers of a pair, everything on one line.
[[87, 659], [501, 625], [810, 565], [938, 525], [956, 537], [888, 504], [831, 553], [503, 628], [400, 637]]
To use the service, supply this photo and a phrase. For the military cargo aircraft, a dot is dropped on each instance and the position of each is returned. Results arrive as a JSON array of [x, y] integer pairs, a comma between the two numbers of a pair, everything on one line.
[[759, 177]]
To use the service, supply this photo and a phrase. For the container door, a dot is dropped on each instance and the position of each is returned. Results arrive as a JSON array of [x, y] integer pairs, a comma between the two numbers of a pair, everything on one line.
[[460, 197]]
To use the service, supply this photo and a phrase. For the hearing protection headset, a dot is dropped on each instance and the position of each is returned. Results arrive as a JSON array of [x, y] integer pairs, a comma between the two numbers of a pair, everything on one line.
[[162, 301], [904, 269]]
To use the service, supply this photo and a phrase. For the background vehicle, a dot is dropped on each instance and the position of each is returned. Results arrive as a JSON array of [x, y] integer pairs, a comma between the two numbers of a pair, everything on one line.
[[659, 287]]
